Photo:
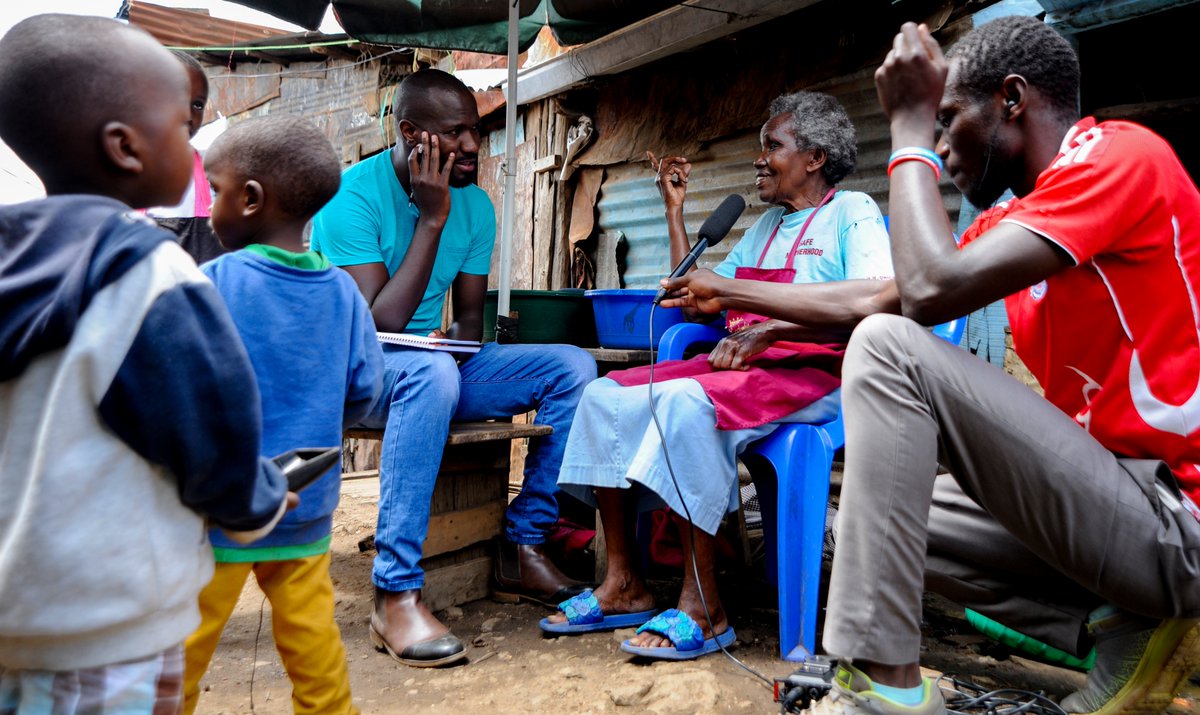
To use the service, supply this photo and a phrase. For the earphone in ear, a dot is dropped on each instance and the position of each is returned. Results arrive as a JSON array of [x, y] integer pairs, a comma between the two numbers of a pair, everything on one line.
[[1009, 106]]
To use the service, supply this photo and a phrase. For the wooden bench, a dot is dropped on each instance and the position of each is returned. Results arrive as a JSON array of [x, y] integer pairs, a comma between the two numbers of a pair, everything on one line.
[[467, 509]]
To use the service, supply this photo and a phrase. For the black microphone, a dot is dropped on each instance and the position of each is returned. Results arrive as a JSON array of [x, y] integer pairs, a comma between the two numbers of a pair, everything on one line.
[[714, 228]]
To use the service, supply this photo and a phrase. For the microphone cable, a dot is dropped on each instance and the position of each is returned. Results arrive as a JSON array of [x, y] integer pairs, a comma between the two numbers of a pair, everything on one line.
[[961, 696], [662, 440]]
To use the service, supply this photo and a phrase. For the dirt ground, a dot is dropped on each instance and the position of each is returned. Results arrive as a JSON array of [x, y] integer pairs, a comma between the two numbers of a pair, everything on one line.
[[513, 669]]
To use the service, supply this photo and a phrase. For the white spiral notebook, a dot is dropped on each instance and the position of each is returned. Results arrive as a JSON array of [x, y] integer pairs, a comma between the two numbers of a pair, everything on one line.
[[413, 340]]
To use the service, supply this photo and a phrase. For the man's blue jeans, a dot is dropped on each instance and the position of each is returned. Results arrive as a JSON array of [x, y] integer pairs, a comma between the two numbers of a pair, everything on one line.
[[423, 390]]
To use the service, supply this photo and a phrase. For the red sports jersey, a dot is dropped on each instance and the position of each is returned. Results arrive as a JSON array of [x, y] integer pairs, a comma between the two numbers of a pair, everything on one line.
[[1115, 340]]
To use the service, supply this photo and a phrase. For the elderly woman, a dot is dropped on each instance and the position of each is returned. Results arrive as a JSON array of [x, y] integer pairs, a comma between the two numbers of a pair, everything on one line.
[[751, 383]]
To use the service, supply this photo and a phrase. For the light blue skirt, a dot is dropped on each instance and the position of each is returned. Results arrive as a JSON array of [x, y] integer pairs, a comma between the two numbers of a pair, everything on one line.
[[614, 443]]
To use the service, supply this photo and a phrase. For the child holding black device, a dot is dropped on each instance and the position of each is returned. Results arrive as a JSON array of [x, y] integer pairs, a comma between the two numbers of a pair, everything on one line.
[[312, 341], [124, 422]]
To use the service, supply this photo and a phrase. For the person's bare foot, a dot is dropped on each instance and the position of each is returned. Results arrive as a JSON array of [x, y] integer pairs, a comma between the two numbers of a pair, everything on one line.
[[693, 608], [617, 595], [403, 626]]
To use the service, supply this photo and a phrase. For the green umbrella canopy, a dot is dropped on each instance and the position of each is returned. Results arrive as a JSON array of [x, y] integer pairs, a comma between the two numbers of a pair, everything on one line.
[[474, 25]]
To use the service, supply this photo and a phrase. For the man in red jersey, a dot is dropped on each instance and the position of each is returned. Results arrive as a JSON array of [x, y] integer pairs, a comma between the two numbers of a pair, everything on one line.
[[1066, 518]]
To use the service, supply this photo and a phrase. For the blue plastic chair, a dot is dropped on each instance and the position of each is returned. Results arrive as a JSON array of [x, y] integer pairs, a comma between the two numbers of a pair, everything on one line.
[[792, 495]]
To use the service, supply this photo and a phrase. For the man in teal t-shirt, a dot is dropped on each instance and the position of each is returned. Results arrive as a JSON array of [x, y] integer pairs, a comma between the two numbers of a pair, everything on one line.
[[410, 225], [373, 220]]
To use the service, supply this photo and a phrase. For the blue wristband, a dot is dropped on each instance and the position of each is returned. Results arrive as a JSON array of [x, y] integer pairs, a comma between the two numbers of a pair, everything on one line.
[[918, 151]]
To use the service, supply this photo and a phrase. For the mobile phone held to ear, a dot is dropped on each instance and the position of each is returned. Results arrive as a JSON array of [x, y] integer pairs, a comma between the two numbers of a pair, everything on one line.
[[303, 466]]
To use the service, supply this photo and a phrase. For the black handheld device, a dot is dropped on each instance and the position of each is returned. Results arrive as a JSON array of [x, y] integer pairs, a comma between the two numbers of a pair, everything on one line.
[[303, 466]]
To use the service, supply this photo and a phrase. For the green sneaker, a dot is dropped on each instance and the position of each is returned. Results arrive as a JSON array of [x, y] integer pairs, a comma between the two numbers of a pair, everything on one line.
[[853, 694], [1140, 665]]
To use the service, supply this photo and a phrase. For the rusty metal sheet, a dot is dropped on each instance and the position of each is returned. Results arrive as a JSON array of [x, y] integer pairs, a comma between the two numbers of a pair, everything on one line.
[[630, 204], [676, 113], [488, 101], [178, 27], [232, 93], [345, 105]]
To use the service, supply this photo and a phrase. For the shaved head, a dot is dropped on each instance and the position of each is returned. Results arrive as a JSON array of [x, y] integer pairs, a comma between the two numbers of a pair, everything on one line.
[[290, 157], [415, 91], [64, 77]]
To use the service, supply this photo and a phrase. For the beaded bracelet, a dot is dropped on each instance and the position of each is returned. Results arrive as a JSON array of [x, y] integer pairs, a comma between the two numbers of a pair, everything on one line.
[[916, 153]]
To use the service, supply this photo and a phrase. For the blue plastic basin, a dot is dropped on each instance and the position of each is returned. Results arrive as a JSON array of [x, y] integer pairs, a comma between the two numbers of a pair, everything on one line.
[[623, 317]]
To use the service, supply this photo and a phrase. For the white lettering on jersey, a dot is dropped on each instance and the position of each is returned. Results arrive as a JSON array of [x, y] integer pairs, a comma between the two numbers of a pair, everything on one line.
[[1081, 147], [1066, 142]]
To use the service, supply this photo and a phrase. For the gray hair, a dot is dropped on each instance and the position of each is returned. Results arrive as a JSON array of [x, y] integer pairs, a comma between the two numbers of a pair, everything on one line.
[[820, 122]]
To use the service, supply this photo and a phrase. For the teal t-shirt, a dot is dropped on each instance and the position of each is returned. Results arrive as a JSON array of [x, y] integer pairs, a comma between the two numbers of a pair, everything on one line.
[[371, 220], [846, 240]]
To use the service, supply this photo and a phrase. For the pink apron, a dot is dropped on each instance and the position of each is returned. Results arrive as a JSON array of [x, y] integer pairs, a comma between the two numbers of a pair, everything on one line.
[[736, 320], [784, 378]]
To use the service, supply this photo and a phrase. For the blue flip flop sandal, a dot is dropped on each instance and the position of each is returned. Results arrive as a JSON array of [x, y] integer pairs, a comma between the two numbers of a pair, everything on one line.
[[687, 638], [584, 616]]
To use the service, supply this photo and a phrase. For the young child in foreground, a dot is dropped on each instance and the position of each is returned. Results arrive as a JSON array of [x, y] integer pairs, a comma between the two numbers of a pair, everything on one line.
[[312, 341], [124, 422]]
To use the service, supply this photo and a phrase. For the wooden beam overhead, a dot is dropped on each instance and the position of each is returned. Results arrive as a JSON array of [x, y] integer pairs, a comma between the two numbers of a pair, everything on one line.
[[335, 51], [219, 59], [267, 57], [676, 29]]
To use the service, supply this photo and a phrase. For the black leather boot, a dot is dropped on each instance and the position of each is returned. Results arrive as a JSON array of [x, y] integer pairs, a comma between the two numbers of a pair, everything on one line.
[[524, 572]]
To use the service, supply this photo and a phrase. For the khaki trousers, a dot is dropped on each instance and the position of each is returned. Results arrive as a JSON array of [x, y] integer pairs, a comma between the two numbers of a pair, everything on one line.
[[1037, 526]]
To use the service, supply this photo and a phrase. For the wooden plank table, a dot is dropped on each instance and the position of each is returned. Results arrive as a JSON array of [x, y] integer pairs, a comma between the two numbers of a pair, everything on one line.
[[629, 358]]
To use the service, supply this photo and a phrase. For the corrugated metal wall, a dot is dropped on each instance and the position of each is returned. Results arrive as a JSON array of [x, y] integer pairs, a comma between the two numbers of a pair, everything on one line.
[[341, 99], [629, 202], [857, 94]]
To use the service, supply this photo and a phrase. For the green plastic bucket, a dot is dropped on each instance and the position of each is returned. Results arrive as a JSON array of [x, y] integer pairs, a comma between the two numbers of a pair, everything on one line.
[[545, 316]]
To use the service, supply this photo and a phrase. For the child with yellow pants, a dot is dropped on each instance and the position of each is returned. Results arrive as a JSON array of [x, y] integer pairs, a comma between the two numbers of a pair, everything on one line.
[[306, 636], [319, 367]]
